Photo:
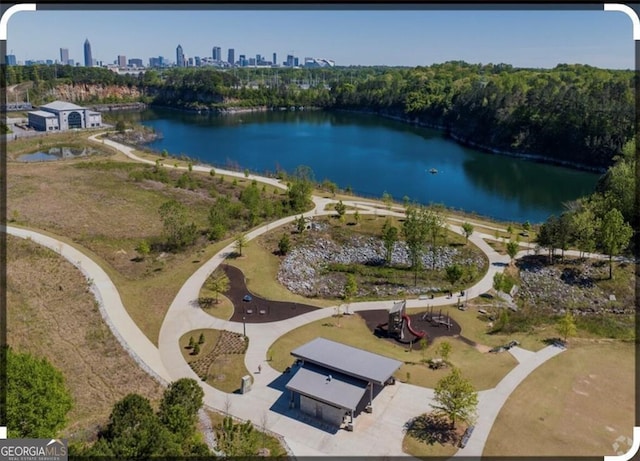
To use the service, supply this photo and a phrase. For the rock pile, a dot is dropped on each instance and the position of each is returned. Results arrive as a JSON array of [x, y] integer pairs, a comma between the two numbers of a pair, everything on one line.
[[304, 270]]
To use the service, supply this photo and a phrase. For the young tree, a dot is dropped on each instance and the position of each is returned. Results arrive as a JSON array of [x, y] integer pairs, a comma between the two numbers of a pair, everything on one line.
[[566, 325], [240, 243], [201, 339], [301, 224], [584, 225], [512, 250], [218, 284], [387, 199], [177, 231], [192, 342], [341, 209], [37, 398], [389, 238], [284, 245], [615, 235], [546, 236], [467, 228], [196, 349], [350, 288], [357, 217], [444, 349], [415, 230], [454, 274], [144, 249], [456, 398]]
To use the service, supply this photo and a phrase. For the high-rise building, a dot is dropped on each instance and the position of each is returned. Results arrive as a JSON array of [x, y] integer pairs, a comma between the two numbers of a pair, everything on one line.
[[275, 60], [231, 56], [198, 61], [122, 61], [64, 56], [135, 62], [88, 59], [180, 57], [289, 62], [216, 53], [296, 62], [242, 60], [11, 59]]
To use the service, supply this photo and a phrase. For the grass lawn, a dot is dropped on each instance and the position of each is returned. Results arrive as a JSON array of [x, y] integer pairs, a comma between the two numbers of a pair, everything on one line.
[[483, 369], [51, 314], [220, 360], [223, 309], [578, 403]]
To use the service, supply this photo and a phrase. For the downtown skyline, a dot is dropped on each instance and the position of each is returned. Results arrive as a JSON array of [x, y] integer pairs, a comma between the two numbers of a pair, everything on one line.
[[360, 37]]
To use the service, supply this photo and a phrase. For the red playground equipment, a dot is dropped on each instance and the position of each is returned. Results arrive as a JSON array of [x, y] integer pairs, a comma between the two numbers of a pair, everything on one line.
[[399, 321]]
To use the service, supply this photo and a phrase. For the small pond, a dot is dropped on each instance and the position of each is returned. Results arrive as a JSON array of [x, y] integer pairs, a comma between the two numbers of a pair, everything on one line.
[[56, 153]]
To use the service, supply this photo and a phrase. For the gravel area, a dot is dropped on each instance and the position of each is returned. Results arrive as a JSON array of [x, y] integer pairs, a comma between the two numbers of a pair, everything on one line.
[[562, 287], [303, 270]]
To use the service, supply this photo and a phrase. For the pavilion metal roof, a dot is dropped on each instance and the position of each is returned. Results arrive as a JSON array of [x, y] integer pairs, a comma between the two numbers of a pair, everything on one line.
[[348, 360], [335, 389]]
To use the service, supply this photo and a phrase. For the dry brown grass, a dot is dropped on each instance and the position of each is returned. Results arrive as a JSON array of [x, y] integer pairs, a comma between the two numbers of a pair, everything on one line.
[[51, 314], [577, 404], [108, 215]]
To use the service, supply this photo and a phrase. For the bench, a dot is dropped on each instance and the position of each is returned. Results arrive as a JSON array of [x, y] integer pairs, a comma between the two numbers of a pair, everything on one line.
[[466, 436]]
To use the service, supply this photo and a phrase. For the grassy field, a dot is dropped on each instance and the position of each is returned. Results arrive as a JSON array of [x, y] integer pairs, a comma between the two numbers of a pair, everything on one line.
[[483, 369], [578, 403], [105, 212], [51, 314]]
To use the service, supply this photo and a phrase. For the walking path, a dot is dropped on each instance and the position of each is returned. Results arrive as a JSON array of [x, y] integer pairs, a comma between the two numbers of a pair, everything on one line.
[[377, 434]]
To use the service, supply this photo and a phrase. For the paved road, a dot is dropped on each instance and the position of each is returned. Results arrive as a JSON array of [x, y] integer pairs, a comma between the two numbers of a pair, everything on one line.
[[377, 434]]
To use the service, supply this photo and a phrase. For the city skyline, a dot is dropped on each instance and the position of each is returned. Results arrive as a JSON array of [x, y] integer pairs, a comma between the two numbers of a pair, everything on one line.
[[360, 37]]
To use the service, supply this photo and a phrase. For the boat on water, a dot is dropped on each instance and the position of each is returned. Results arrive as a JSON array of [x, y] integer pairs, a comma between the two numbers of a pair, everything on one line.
[[433, 171]]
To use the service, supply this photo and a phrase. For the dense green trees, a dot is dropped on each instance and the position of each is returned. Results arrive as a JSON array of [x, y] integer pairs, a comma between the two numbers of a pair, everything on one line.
[[135, 431], [575, 114], [178, 231], [37, 399]]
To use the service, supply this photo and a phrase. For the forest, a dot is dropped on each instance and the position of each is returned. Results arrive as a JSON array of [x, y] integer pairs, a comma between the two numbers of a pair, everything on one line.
[[574, 114]]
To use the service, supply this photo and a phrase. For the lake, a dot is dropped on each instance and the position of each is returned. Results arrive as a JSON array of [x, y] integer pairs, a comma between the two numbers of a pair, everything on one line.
[[373, 155]]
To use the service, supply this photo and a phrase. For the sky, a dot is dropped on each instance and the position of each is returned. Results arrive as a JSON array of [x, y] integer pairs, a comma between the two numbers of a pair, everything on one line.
[[394, 37]]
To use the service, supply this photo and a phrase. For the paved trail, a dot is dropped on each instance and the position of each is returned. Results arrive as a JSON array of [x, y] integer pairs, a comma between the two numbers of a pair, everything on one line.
[[377, 434]]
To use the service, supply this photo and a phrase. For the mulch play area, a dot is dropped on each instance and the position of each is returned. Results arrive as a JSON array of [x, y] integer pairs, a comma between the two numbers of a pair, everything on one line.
[[255, 309], [419, 322]]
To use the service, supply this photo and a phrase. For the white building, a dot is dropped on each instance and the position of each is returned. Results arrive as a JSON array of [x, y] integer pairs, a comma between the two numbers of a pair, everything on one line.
[[60, 116]]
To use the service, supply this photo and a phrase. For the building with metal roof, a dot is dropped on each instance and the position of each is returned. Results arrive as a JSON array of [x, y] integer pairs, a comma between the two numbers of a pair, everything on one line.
[[61, 115], [332, 379]]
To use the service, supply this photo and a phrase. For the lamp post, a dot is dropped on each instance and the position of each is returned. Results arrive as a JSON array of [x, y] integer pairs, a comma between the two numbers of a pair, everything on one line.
[[244, 326]]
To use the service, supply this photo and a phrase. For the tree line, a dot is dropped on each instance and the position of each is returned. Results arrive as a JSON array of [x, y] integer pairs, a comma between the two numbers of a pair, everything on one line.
[[576, 114], [603, 221]]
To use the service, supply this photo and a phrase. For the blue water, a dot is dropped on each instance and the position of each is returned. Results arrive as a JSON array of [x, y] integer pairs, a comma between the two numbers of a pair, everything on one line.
[[373, 155]]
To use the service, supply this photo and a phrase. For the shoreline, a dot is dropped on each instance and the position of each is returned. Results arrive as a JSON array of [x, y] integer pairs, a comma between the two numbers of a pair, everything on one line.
[[481, 147]]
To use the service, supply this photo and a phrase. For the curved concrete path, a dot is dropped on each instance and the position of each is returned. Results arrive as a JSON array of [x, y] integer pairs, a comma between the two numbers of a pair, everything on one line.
[[378, 434]]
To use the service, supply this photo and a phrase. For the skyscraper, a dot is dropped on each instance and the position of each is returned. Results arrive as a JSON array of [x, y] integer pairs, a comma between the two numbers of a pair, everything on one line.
[[275, 59], [64, 56], [231, 57], [10, 59], [180, 57], [88, 59], [216, 53], [122, 61]]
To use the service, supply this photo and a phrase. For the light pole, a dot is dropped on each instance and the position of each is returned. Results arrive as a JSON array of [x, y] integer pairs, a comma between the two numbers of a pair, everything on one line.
[[244, 326]]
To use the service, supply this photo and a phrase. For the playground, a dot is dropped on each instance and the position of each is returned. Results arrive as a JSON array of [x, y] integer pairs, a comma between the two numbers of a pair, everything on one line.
[[249, 308], [397, 326]]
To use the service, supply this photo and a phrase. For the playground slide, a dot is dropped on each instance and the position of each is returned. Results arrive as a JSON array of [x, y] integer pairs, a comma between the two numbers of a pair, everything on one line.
[[417, 334]]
